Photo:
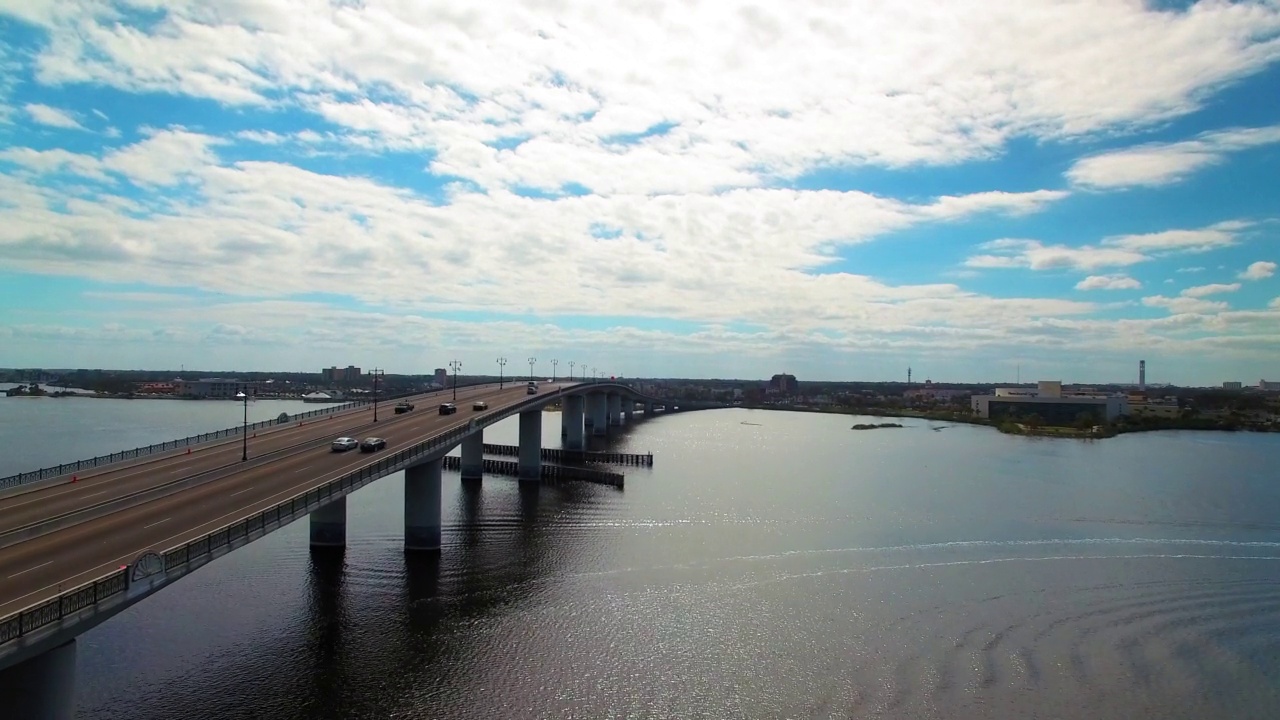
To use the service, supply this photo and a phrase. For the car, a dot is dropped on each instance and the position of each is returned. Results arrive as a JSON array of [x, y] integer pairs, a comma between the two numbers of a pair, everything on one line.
[[479, 405], [403, 407], [533, 389], [344, 444], [371, 444], [448, 409]]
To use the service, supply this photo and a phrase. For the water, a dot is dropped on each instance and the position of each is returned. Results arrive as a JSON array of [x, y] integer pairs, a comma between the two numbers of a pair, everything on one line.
[[790, 569]]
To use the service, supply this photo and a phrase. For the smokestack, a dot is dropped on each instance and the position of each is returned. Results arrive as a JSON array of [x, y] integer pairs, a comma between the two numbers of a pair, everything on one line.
[[1142, 374]]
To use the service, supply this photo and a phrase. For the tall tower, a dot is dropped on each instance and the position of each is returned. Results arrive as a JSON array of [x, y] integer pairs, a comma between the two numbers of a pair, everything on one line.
[[1142, 374], [908, 375]]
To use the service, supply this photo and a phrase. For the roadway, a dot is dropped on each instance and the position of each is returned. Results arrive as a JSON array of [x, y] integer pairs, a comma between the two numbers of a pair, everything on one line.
[[294, 460]]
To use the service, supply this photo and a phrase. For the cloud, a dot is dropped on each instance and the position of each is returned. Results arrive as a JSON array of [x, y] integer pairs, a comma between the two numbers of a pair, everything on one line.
[[1260, 270], [51, 116], [661, 97], [1108, 282], [1113, 251], [1166, 163], [1184, 305], [1195, 269], [1205, 290]]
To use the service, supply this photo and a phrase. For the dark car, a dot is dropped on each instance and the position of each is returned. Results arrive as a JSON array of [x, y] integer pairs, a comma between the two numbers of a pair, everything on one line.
[[403, 407], [448, 409], [371, 444]]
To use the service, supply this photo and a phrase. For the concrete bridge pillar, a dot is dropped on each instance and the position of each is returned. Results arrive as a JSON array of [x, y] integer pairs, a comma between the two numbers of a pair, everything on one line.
[[571, 420], [422, 507], [329, 525], [473, 456], [41, 688], [648, 409], [628, 409], [599, 410], [615, 409], [530, 467]]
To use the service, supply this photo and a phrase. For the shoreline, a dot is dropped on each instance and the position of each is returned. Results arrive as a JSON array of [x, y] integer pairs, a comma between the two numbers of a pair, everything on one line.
[[1009, 428]]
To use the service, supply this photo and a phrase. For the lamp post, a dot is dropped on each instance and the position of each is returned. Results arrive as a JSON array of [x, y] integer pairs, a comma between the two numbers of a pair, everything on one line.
[[375, 372], [456, 365], [532, 360], [571, 364], [501, 363], [554, 363], [244, 429]]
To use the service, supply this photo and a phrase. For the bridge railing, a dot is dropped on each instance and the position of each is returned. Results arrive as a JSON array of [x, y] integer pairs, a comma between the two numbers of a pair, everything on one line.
[[114, 583], [82, 465]]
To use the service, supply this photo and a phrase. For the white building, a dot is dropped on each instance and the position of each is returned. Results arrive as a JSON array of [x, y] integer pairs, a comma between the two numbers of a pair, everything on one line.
[[214, 388], [1049, 404]]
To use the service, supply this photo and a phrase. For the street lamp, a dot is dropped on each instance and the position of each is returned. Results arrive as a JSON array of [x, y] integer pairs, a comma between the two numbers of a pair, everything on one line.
[[501, 363], [532, 360], [244, 429], [456, 365], [554, 363], [571, 364], [375, 372]]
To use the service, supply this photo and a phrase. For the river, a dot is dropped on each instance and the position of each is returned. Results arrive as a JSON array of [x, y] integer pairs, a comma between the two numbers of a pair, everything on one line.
[[787, 568]]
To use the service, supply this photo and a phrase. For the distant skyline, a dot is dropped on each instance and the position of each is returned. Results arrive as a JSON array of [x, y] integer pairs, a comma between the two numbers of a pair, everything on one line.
[[661, 189]]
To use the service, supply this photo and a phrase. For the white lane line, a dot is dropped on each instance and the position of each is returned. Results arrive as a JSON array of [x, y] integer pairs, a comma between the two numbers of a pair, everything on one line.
[[37, 567], [240, 491], [144, 527], [100, 492], [295, 472]]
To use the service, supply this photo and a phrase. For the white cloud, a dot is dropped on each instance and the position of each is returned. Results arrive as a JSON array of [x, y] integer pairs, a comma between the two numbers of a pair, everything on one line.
[[1204, 239], [1184, 305], [1195, 269], [1205, 290], [1108, 282], [821, 85], [1260, 270], [1113, 251], [52, 116], [1165, 163]]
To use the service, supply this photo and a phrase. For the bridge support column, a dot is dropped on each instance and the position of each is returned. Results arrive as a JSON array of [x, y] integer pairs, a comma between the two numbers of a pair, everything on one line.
[[599, 410], [329, 525], [422, 507], [628, 409], [615, 409], [42, 688], [648, 409], [473, 456], [572, 422], [530, 468]]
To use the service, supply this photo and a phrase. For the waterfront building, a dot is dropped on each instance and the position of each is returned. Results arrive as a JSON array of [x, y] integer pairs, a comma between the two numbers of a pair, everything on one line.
[[215, 388], [1048, 402]]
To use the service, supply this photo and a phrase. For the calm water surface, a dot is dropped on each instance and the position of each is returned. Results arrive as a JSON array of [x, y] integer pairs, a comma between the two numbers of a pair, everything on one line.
[[793, 568]]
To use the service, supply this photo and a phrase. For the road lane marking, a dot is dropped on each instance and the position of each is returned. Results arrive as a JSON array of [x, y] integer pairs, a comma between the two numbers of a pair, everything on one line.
[[144, 527], [240, 491], [24, 572]]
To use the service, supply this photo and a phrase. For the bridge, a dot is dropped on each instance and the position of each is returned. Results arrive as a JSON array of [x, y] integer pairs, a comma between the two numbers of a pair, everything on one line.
[[83, 541]]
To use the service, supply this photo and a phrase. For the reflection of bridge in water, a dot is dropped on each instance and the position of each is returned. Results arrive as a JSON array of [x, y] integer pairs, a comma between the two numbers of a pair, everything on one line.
[[186, 506]]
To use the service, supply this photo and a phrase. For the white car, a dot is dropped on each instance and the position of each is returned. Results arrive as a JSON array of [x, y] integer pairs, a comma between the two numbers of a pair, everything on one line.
[[344, 444]]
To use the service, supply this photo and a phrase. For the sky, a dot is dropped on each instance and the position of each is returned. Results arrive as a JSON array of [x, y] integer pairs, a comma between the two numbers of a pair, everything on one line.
[[975, 189]]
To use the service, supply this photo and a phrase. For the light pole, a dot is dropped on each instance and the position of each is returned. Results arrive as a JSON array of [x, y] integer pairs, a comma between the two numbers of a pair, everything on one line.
[[501, 363], [375, 372], [571, 364], [532, 360], [244, 429], [456, 365], [554, 363]]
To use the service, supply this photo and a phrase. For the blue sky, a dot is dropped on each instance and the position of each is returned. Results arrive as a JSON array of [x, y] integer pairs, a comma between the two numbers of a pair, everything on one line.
[[669, 189]]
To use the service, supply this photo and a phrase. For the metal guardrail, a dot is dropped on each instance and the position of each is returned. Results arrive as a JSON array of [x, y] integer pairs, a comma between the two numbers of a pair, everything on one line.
[[101, 460], [108, 586]]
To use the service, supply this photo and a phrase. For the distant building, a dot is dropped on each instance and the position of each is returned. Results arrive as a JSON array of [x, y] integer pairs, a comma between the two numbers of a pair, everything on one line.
[[1268, 385], [335, 374], [783, 385], [1232, 385], [1048, 403], [214, 388], [441, 377]]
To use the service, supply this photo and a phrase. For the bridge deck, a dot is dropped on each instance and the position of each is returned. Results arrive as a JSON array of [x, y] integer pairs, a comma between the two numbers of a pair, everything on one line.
[[282, 463]]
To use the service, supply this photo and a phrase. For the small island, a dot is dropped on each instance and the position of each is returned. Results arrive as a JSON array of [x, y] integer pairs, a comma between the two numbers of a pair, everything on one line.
[[861, 426]]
